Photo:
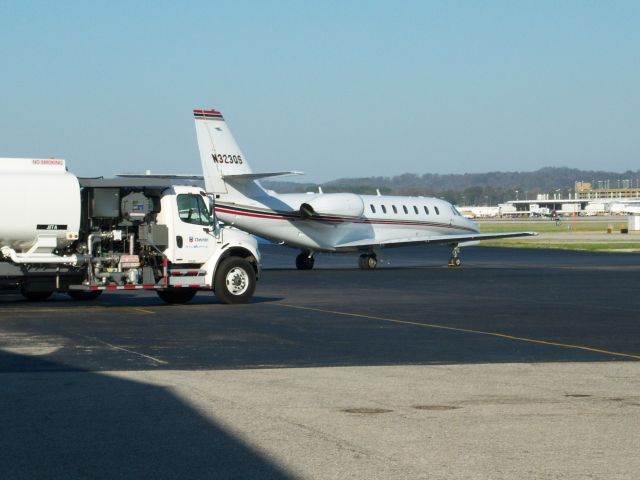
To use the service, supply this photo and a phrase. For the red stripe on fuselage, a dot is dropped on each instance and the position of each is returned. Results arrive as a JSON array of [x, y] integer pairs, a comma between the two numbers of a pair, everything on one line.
[[246, 214], [397, 223]]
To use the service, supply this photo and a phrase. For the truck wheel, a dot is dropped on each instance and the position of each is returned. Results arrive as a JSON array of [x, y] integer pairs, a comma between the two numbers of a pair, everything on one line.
[[177, 295], [84, 296], [235, 281], [35, 296]]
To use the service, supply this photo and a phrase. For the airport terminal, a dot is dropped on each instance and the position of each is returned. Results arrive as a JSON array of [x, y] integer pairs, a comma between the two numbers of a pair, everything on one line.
[[583, 199]]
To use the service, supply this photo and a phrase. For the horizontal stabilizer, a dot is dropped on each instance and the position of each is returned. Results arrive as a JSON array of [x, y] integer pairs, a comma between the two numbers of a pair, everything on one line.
[[257, 176], [446, 239], [163, 176]]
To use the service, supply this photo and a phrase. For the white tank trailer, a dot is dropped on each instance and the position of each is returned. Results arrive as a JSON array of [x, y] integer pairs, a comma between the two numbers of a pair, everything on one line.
[[59, 233], [39, 199]]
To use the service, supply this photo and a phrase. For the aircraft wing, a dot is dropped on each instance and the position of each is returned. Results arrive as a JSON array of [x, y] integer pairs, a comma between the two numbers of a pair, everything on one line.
[[399, 242]]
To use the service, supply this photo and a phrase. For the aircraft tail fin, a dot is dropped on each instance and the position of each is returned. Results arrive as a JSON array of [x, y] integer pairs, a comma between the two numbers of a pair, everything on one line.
[[224, 166], [219, 153]]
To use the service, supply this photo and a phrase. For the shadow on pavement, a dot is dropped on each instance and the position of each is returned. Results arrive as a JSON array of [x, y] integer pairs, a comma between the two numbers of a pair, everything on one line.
[[80, 424]]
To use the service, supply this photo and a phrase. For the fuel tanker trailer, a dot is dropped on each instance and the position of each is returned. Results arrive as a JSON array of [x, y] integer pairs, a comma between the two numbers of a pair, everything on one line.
[[82, 236]]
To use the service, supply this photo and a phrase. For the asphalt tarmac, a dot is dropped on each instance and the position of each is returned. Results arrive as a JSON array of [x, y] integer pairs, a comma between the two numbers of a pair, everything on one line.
[[501, 306], [126, 386]]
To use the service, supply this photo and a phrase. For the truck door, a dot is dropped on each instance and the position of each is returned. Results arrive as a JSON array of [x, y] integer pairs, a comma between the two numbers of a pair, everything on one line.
[[192, 243]]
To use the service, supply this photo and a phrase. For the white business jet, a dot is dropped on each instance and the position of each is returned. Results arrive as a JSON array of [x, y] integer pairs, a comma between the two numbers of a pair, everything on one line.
[[323, 222]]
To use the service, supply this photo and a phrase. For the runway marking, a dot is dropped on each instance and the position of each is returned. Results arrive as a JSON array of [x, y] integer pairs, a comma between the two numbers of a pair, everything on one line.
[[465, 330], [157, 360], [143, 310]]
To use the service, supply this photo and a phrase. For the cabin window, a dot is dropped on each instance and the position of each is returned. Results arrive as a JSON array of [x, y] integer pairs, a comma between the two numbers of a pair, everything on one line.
[[426, 210], [404, 207], [437, 211], [395, 210], [415, 209], [373, 209], [384, 209]]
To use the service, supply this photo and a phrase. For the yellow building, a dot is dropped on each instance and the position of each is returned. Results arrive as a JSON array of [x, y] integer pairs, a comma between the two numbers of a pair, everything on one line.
[[585, 191]]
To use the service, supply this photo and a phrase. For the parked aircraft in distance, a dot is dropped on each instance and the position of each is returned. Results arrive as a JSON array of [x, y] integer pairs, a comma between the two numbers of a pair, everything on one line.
[[323, 222]]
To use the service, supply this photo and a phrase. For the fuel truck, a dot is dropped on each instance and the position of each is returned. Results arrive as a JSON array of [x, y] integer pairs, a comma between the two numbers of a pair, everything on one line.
[[84, 236]]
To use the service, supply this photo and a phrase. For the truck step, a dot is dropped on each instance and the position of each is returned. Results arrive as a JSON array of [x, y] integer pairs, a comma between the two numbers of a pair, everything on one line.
[[181, 272], [93, 288]]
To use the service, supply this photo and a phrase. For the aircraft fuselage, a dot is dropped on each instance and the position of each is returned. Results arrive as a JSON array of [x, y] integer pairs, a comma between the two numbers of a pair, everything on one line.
[[279, 218]]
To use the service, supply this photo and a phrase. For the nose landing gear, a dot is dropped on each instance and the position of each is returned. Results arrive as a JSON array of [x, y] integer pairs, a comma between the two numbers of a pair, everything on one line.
[[455, 261], [368, 261]]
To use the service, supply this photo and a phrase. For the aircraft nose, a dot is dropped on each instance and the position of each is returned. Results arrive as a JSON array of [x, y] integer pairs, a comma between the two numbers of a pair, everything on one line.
[[472, 224]]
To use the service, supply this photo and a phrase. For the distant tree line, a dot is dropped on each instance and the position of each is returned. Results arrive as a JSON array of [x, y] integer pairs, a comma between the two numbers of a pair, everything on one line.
[[465, 189]]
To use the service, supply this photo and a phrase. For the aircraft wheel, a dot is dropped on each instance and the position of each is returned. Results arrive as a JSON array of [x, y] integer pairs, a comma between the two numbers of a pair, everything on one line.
[[177, 295], [304, 262], [367, 262], [235, 281], [455, 262], [84, 296], [35, 296]]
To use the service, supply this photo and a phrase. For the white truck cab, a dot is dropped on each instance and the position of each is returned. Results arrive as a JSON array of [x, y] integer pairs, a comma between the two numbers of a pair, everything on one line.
[[196, 239]]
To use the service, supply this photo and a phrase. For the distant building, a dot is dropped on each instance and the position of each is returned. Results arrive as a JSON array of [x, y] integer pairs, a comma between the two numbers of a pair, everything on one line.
[[543, 206], [502, 210], [588, 198], [603, 190]]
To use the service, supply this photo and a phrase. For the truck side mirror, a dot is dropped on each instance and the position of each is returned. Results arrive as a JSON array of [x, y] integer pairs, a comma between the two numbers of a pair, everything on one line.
[[214, 229]]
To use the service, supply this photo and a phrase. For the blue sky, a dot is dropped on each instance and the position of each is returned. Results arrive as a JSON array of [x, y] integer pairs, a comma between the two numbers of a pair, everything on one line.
[[332, 88]]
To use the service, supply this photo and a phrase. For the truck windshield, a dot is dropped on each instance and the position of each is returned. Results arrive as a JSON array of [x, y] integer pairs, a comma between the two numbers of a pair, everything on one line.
[[192, 209]]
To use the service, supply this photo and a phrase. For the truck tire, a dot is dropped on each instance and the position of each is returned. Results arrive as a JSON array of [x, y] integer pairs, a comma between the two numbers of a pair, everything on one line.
[[84, 296], [35, 296], [177, 295], [235, 281]]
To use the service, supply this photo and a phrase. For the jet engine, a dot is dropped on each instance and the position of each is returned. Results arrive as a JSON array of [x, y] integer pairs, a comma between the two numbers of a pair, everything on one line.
[[333, 204]]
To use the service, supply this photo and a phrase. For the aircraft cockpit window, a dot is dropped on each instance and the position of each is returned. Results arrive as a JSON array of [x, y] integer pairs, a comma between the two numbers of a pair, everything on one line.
[[426, 210], [404, 207], [384, 209], [373, 209], [437, 211], [455, 211], [395, 210], [415, 209]]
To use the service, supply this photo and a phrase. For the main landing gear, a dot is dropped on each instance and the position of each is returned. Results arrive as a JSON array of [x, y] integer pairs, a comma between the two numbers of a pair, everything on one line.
[[455, 261], [368, 261], [305, 260]]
